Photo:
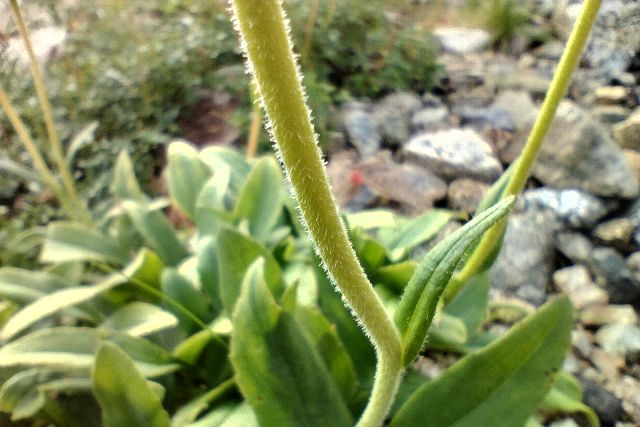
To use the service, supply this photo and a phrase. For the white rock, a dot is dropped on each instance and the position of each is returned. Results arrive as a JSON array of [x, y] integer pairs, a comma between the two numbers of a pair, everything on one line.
[[454, 153], [460, 40], [46, 42]]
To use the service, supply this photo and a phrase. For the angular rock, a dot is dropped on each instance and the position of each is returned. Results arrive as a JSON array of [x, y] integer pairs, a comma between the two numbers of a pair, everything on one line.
[[633, 159], [609, 115], [607, 406], [466, 194], [607, 314], [576, 208], [47, 43], [613, 274], [345, 179], [576, 282], [622, 339], [578, 153], [627, 390], [392, 115], [627, 133], [612, 95], [574, 246], [608, 364], [360, 129], [523, 112], [615, 232], [526, 260], [411, 187], [462, 40], [454, 154], [430, 119], [520, 106], [615, 36], [485, 117]]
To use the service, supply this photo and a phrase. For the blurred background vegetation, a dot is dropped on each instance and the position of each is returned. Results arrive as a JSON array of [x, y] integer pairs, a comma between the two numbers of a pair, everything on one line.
[[136, 74]]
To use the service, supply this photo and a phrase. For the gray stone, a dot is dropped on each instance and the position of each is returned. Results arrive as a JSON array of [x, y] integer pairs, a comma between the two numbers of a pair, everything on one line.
[[575, 281], [615, 36], [527, 79], [523, 112], [619, 338], [485, 117], [523, 268], [607, 406], [573, 245], [430, 119], [633, 213], [520, 106], [393, 114], [633, 261], [627, 133], [609, 114], [465, 194], [613, 274], [578, 153], [576, 208], [462, 40], [412, 188], [360, 129], [454, 154], [627, 389]]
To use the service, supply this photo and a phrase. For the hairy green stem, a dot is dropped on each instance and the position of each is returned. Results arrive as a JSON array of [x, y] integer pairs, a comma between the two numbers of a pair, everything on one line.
[[80, 211], [264, 34], [556, 92]]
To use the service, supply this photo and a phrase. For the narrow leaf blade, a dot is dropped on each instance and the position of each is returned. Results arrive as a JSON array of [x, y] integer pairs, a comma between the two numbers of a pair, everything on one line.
[[277, 368], [503, 383], [126, 399], [418, 303]]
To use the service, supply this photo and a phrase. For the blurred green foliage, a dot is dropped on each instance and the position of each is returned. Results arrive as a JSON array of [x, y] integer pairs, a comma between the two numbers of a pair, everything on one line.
[[136, 68]]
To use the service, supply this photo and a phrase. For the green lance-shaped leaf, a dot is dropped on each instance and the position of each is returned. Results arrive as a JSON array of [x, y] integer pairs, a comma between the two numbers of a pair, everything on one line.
[[190, 411], [125, 185], [500, 385], [400, 240], [471, 304], [157, 232], [139, 319], [125, 396], [218, 158], [186, 175], [236, 252], [420, 299], [23, 286], [26, 393], [277, 367], [144, 266], [260, 199], [73, 349], [566, 397], [75, 242], [180, 289], [330, 348], [231, 414]]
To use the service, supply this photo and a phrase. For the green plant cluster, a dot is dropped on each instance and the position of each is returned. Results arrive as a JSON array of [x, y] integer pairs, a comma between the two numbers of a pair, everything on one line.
[[360, 48], [124, 86], [508, 20], [230, 321]]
